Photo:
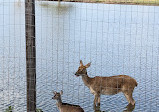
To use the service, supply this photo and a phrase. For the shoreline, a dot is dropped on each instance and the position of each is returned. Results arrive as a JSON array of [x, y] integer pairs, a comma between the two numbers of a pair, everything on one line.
[[112, 2]]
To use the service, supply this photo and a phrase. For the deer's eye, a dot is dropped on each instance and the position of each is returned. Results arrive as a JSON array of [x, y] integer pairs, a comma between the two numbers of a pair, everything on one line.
[[81, 70]]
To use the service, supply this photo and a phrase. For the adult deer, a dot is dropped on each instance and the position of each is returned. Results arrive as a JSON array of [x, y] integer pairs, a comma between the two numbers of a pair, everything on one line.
[[107, 85], [65, 107]]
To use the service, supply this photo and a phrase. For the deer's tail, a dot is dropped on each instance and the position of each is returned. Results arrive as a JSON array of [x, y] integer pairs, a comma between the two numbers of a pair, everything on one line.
[[136, 83]]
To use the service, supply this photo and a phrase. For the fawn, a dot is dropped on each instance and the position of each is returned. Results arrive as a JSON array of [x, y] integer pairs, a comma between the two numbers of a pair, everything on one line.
[[65, 107], [107, 85]]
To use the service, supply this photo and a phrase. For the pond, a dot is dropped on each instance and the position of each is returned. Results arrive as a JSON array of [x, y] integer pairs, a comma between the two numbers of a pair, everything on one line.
[[116, 39]]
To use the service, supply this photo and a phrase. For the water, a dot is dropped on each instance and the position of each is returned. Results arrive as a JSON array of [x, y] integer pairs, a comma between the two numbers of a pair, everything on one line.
[[117, 39]]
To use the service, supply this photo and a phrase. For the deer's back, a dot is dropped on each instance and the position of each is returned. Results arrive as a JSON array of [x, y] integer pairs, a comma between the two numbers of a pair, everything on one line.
[[112, 85], [65, 107]]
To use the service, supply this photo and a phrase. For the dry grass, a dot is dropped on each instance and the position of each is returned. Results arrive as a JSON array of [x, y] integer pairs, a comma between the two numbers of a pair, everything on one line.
[[133, 2], [144, 2]]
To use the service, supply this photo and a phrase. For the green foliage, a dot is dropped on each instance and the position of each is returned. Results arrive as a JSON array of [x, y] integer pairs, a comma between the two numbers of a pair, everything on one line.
[[9, 109], [39, 110]]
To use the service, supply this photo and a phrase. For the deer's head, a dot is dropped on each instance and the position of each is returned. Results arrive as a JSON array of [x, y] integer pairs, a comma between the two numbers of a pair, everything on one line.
[[57, 95], [82, 69]]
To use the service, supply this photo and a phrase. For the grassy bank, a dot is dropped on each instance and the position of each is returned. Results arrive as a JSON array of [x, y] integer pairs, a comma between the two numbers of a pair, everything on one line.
[[132, 2], [135, 2]]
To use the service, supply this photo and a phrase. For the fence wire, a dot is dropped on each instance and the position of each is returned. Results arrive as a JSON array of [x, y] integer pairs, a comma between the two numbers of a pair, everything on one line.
[[117, 37]]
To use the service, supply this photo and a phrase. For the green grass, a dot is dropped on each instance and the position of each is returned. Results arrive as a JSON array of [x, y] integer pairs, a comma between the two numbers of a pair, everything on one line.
[[9, 109]]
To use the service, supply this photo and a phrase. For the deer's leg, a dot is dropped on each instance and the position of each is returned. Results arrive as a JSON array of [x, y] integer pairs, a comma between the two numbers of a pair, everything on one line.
[[128, 90], [99, 100], [132, 101], [129, 108], [96, 97], [129, 97], [95, 101]]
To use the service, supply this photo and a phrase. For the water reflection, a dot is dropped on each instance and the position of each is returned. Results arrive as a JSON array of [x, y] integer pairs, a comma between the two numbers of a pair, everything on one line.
[[18, 3], [57, 7], [97, 109], [119, 39], [128, 108]]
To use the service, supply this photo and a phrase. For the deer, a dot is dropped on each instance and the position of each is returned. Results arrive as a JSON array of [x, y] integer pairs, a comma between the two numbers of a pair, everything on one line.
[[65, 107], [111, 85]]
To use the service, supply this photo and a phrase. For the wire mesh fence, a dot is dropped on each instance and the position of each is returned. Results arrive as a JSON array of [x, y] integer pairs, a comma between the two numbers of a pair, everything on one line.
[[116, 38]]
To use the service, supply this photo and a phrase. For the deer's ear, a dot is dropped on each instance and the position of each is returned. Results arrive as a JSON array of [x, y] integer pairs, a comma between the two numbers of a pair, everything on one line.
[[61, 92], [54, 92], [81, 63], [88, 65]]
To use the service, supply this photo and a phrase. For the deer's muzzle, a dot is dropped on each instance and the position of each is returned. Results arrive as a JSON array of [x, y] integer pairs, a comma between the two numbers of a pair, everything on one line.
[[76, 74]]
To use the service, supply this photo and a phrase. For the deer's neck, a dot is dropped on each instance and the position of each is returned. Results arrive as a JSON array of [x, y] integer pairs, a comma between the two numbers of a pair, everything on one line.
[[86, 79], [59, 102]]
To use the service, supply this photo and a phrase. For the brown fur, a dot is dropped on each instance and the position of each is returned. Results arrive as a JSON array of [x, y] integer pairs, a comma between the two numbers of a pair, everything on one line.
[[107, 85], [65, 107]]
